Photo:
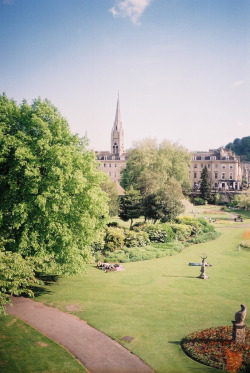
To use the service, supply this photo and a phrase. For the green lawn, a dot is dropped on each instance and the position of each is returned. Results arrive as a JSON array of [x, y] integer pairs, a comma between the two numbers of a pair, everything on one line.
[[158, 302], [25, 350]]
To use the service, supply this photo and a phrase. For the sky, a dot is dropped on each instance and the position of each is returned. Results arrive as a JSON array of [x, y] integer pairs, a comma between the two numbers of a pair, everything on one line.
[[181, 67]]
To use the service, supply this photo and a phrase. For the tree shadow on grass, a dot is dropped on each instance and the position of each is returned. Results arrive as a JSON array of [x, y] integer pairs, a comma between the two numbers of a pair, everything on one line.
[[47, 280], [180, 276]]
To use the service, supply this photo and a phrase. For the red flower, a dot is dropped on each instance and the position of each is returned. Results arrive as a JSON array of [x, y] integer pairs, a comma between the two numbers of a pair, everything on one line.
[[211, 346]]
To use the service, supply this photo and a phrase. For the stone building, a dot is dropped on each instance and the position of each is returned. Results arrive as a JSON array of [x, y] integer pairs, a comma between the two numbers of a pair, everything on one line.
[[113, 161], [223, 164], [224, 169]]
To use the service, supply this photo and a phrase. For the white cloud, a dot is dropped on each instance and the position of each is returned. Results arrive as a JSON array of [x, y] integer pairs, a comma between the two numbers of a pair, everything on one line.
[[130, 8], [238, 83]]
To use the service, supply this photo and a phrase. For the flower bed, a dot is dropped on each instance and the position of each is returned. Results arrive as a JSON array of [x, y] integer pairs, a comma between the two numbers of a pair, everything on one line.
[[214, 212], [246, 234], [215, 347]]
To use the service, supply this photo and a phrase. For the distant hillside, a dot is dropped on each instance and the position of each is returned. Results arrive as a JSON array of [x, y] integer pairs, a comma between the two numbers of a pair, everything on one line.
[[241, 147]]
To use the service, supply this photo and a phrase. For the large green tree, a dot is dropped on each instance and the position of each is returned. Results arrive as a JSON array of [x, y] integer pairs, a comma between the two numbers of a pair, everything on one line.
[[241, 147], [165, 204], [151, 166], [52, 203]]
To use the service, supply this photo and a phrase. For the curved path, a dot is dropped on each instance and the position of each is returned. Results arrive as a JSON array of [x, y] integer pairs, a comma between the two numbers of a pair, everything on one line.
[[96, 351]]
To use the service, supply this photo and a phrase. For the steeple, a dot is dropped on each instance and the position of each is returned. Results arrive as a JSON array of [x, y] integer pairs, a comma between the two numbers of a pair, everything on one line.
[[117, 136], [117, 114]]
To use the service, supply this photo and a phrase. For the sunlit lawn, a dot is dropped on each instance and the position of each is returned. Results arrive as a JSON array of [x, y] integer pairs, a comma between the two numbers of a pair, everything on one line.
[[158, 302], [25, 350]]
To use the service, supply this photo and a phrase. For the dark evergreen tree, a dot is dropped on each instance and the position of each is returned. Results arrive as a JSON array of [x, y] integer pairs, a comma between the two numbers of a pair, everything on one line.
[[150, 207], [205, 187], [130, 206]]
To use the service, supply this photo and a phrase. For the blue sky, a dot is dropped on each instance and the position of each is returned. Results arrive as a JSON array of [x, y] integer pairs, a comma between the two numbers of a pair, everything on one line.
[[182, 67]]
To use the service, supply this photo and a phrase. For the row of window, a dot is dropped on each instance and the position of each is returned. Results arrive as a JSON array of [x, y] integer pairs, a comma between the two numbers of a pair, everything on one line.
[[212, 158], [105, 157], [223, 166], [216, 175], [109, 164], [114, 174], [202, 158], [222, 185]]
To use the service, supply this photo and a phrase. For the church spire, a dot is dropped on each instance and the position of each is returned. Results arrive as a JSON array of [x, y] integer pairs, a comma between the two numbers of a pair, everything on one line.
[[118, 122], [117, 146]]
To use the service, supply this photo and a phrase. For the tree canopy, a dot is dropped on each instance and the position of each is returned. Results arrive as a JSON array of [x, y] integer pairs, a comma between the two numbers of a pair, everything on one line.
[[243, 200], [52, 203], [16, 276], [241, 147], [111, 189], [165, 204], [151, 166]]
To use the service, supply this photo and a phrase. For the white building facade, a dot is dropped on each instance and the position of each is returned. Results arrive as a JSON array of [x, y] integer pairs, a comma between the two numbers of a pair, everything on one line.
[[224, 168], [113, 161]]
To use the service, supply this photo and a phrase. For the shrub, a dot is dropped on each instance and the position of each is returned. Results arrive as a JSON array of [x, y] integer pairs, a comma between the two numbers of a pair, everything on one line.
[[233, 203], [199, 201], [206, 226], [117, 256], [169, 231], [175, 246], [182, 231], [245, 244], [159, 232], [217, 199], [112, 224], [196, 225], [204, 237], [133, 238], [137, 254], [98, 256], [138, 225], [114, 239], [98, 244]]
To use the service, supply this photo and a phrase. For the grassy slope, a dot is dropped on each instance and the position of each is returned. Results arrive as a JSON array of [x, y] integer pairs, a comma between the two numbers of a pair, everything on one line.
[[25, 350], [159, 301]]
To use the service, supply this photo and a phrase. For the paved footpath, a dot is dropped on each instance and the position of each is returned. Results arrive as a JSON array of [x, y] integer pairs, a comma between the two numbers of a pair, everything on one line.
[[96, 351]]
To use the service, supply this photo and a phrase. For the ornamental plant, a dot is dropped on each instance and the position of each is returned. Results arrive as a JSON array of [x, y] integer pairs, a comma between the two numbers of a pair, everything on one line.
[[245, 244], [181, 231], [159, 232], [215, 347], [133, 238], [196, 225], [114, 239]]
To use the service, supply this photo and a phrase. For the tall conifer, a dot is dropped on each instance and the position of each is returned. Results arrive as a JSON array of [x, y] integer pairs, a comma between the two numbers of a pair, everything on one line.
[[205, 187]]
